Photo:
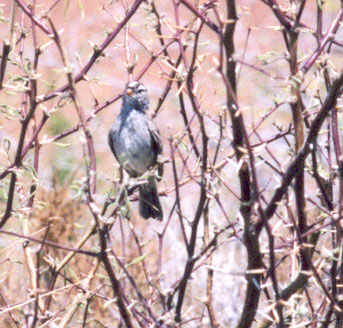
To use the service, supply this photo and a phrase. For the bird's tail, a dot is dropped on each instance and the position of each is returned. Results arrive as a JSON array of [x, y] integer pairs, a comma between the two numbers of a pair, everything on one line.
[[149, 202]]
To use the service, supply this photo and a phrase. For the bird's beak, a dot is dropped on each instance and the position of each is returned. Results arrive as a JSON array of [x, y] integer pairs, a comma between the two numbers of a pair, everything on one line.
[[129, 92]]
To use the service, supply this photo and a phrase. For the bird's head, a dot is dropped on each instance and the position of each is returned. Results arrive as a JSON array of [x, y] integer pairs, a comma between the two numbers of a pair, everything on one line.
[[136, 96]]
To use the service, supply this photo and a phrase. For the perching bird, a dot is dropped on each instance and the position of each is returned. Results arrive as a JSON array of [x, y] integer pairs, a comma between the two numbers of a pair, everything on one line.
[[136, 144]]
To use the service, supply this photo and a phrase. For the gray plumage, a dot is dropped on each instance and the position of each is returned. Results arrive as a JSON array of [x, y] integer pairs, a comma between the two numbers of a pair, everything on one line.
[[136, 144]]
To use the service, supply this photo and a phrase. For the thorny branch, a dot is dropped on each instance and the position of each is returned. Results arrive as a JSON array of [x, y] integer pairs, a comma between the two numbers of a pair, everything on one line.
[[231, 173]]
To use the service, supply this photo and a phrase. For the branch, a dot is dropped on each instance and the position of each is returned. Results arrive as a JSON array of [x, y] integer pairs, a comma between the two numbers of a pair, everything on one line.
[[279, 14], [203, 18], [328, 105], [5, 52], [97, 53], [328, 37], [34, 19], [50, 243]]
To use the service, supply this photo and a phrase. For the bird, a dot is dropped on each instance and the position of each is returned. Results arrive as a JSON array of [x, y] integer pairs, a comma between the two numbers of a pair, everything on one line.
[[136, 144]]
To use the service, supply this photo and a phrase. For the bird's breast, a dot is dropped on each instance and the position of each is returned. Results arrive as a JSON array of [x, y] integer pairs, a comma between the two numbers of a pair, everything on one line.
[[133, 144]]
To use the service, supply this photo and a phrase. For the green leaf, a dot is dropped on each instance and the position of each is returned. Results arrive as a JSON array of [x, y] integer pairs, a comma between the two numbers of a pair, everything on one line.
[[31, 171], [61, 144], [138, 260]]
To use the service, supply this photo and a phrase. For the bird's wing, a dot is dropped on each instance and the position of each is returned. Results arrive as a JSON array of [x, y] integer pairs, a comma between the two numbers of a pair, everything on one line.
[[156, 142], [110, 142]]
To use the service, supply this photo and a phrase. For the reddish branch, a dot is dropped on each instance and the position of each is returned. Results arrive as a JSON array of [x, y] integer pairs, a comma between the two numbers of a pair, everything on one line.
[[50, 243], [34, 19], [190, 67], [329, 36], [250, 237], [329, 104], [202, 16], [250, 195], [98, 51], [17, 163], [91, 168], [114, 280]]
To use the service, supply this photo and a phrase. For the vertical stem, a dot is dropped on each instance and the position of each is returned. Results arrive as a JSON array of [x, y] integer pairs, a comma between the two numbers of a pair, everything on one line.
[[298, 122], [209, 283], [253, 289]]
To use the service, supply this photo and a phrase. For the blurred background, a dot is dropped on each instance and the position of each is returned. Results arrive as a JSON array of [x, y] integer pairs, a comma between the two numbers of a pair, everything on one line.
[[50, 198]]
